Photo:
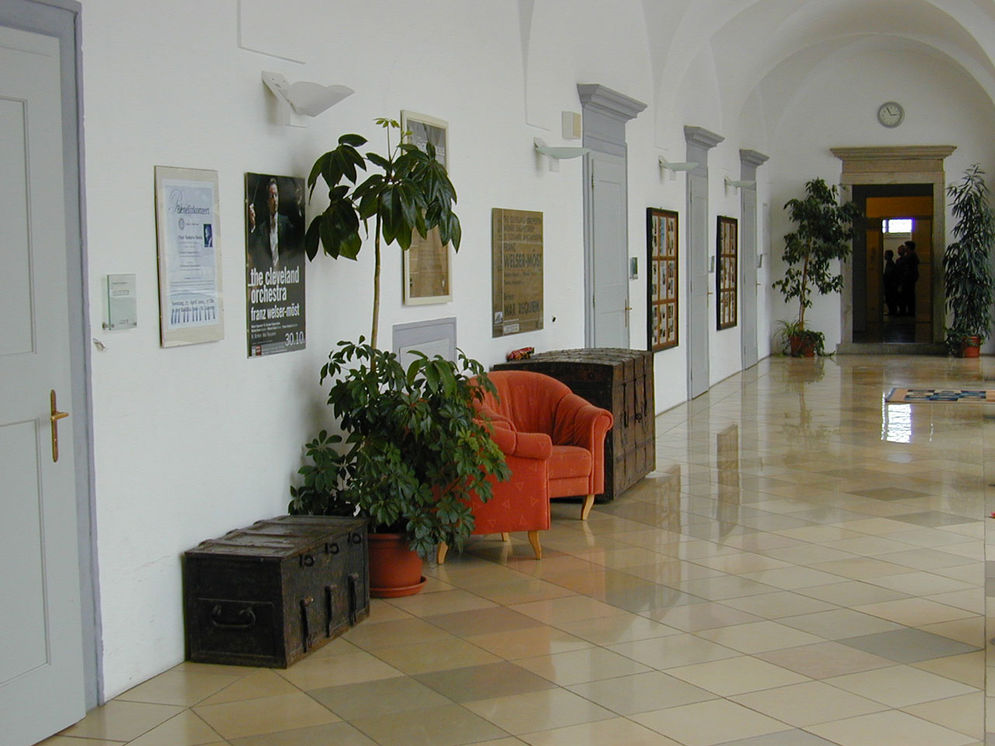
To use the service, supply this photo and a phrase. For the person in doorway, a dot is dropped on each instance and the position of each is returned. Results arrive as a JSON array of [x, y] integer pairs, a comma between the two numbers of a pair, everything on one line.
[[890, 283], [908, 276]]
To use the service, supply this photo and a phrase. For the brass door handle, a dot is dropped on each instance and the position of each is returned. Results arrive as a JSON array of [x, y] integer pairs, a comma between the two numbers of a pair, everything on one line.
[[54, 418]]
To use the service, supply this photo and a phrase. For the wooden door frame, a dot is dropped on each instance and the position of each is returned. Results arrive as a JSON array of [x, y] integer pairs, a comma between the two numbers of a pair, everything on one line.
[[61, 19], [920, 164]]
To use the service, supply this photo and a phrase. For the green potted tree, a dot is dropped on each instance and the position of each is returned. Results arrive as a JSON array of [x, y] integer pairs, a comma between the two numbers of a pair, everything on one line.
[[967, 278], [413, 453], [824, 229]]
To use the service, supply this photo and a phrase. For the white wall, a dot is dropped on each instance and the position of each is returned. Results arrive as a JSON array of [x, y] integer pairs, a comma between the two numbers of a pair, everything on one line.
[[837, 107], [191, 442]]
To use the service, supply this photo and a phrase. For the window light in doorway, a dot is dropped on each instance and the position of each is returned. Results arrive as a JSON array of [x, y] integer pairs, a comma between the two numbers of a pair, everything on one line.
[[898, 225]]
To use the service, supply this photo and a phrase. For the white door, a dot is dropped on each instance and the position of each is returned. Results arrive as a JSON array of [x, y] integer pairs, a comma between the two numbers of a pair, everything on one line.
[[699, 286], [41, 662], [610, 298], [748, 275]]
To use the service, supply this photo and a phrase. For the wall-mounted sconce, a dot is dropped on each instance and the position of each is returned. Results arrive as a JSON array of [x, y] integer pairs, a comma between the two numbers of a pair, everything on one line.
[[676, 168], [302, 99], [556, 154], [734, 184]]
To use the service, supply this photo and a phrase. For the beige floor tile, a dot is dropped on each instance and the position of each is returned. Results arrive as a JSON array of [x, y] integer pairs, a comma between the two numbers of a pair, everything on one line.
[[708, 723], [438, 726], [608, 630], [792, 577], [258, 684], [742, 563], [567, 609], [642, 692], [824, 660], [889, 729], [538, 711], [528, 642], [736, 675], [838, 624], [268, 715], [387, 634], [316, 672], [861, 568], [758, 637], [972, 600], [969, 630], [445, 602], [694, 617], [616, 731], [968, 669], [779, 604], [186, 729], [914, 612], [122, 721], [339, 734], [808, 703], [435, 656], [579, 666], [178, 687], [964, 714], [69, 741], [924, 584], [900, 686], [675, 650]]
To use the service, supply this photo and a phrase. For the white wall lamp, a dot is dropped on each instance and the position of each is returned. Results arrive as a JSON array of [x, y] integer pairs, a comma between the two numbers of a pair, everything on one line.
[[676, 168], [557, 154], [734, 184], [295, 101]]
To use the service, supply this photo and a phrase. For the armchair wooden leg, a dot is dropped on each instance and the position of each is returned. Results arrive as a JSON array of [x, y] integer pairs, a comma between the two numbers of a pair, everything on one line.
[[505, 536], [586, 510], [534, 541], [440, 552]]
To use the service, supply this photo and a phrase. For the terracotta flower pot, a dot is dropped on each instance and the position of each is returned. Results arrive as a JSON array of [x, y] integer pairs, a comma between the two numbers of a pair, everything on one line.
[[971, 347], [394, 569], [801, 346]]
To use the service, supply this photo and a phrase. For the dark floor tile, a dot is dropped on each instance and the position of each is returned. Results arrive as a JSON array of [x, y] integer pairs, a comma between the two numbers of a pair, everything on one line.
[[908, 645], [932, 519], [376, 698], [484, 682]]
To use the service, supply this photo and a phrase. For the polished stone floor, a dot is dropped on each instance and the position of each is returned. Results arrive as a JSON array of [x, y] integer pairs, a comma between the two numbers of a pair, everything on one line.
[[805, 566]]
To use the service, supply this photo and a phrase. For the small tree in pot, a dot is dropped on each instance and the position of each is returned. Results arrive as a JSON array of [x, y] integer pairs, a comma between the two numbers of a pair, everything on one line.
[[413, 452], [823, 234], [967, 278]]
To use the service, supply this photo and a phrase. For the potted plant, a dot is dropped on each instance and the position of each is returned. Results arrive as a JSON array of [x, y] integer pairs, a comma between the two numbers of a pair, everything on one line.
[[967, 278], [413, 452], [799, 342], [823, 234], [414, 455]]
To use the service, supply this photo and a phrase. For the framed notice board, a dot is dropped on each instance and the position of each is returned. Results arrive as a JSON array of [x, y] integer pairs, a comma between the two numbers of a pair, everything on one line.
[[727, 270], [516, 271], [661, 279]]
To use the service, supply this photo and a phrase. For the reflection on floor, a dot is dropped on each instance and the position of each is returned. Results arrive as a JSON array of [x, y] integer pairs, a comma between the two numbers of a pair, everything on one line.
[[805, 567], [892, 329]]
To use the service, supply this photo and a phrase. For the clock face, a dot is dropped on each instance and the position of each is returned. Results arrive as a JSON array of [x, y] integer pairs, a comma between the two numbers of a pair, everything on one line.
[[891, 113]]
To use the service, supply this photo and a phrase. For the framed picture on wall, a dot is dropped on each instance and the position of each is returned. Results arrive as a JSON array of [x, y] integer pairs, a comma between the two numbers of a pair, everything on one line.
[[427, 269], [727, 272], [661, 279]]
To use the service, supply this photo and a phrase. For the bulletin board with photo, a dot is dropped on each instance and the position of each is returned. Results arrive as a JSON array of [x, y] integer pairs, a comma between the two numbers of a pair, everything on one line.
[[727, 272], [661, 273]]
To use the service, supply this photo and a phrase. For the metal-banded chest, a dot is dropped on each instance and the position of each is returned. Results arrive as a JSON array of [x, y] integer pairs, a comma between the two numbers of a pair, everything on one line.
[[269, 594], [620, 381]]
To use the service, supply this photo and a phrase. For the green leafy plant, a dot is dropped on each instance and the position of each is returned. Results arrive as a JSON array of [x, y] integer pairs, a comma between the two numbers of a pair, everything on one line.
[[967, 278], [824, 229], [415, 452], [794, 340], [409, 191]]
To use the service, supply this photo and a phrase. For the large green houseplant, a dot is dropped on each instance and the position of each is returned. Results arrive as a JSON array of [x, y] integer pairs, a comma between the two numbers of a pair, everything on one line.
[[412, 454], [823, 232], [967, 277]]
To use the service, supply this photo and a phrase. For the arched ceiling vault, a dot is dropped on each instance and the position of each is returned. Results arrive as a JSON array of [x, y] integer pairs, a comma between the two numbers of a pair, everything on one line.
[[752, 41]]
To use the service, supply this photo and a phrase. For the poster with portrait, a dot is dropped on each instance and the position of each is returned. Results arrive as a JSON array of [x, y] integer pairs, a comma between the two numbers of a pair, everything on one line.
[[189, 254], [274, 264], [427, 270]]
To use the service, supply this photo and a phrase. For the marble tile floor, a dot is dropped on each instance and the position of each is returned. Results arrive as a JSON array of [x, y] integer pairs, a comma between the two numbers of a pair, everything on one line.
[[806, 566]]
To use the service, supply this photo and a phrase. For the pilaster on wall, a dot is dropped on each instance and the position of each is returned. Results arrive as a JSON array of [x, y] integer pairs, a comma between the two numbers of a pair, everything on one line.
[[915, 164]]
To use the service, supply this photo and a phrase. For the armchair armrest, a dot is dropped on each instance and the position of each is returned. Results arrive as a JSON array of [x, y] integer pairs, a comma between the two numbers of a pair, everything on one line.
[[580, 423], [515, 443]]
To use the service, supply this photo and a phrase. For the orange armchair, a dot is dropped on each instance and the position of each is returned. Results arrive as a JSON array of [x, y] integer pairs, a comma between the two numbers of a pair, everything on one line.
[[554, 443]]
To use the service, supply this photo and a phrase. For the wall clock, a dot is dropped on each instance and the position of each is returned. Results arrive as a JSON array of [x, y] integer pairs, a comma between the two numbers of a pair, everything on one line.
[[891, 114]]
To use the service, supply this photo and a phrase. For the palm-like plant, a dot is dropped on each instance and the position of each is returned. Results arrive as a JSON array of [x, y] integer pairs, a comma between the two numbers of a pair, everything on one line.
[[410, 191], [967, 278]]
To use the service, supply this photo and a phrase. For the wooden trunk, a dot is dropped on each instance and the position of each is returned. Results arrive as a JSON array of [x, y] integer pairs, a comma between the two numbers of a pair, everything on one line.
[[269, 594], [620, 381]]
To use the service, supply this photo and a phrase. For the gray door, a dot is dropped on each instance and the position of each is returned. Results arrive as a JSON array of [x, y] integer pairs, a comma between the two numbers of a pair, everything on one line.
[[608, 282], [41, 662], [748, 275], [698, 285]]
